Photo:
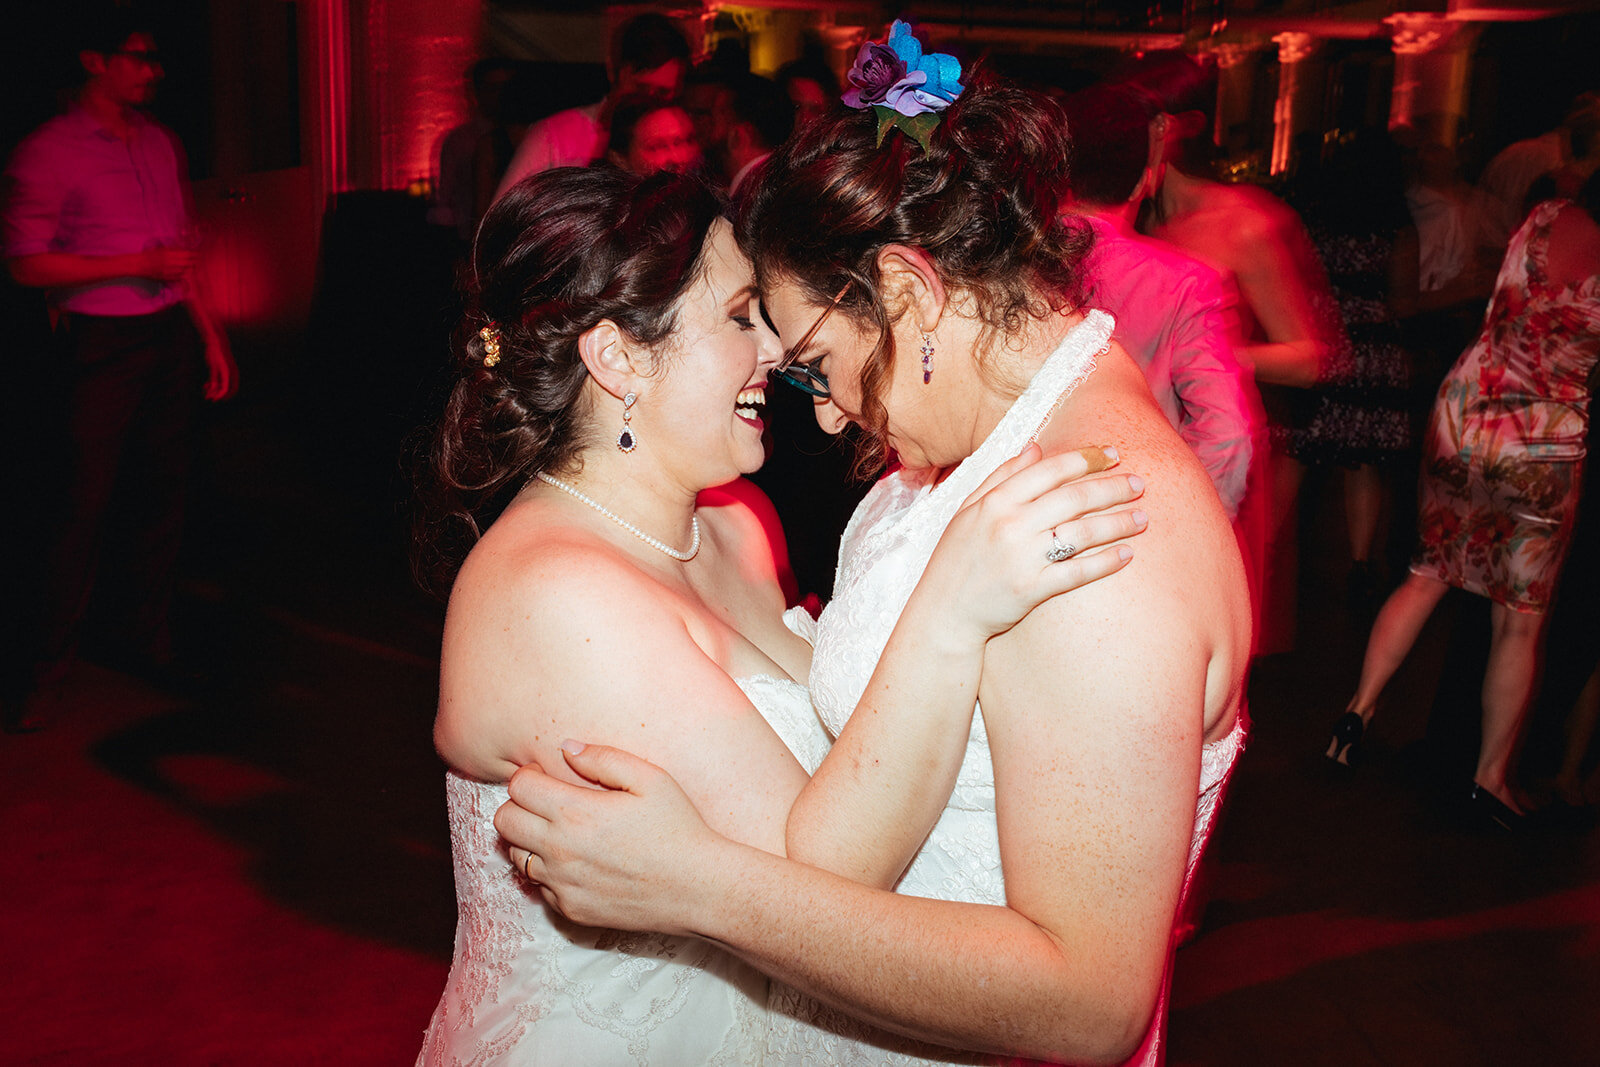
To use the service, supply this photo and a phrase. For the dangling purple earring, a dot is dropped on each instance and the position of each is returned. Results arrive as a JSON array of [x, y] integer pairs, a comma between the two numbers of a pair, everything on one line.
[[927, 358], [625, 439]]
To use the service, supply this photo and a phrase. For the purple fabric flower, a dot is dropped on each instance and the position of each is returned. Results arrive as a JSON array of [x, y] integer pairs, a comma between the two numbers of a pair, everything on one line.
[[906, 88], [876, 73]]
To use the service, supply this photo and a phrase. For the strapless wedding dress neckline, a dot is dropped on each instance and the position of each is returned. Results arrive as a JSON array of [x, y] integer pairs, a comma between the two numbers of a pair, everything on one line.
[[527, 986]]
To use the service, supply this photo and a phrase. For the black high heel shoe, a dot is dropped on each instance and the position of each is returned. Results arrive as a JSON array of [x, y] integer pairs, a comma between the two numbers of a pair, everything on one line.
[[1495, 813], [1344, 747]]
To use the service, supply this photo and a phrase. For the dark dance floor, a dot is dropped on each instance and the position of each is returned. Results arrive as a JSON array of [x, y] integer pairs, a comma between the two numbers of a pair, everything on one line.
[[263, 875]]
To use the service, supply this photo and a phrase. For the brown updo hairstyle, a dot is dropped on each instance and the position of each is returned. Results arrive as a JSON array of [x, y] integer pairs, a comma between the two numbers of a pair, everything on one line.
[[984, 202], [556, 254]]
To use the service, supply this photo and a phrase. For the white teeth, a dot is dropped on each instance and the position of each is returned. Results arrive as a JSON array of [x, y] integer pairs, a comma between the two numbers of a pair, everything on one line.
[[751, 403]]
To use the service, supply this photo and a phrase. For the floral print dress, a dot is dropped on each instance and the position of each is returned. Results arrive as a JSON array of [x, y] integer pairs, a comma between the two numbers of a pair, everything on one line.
[[1505, 444]]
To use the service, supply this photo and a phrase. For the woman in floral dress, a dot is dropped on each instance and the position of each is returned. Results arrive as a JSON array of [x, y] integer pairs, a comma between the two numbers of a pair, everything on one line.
[[1503, 463]]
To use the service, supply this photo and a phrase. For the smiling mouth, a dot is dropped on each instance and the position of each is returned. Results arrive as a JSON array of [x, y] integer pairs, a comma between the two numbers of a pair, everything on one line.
[[751, 403]]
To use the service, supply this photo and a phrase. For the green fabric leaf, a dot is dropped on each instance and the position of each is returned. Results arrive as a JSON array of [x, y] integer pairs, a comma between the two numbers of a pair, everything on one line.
[[920, 127], [886, 117], [917, 127]]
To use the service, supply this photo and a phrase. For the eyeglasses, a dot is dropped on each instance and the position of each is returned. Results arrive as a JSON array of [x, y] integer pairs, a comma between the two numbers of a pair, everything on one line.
[[803, 376]]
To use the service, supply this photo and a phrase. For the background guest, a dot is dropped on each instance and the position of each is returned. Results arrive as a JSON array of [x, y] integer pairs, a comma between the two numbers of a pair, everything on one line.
[[97, 214], [810, 85], [1174, 314], [1500, 482], [459, 197], [1288, 325], [649, 135], [1359, 418], [1509, 175], [650, 57]]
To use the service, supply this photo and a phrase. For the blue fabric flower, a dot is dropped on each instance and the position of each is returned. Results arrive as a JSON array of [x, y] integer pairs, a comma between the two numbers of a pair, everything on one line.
[[897, 74], [941, 80]]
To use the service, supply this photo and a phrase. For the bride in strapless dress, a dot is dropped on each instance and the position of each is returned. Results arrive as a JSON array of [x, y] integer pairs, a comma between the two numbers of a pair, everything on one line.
[[614, 373], [1022, 901]]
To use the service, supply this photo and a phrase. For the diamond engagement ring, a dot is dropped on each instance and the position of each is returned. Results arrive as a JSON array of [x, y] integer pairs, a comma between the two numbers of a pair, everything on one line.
[[1059, 550]]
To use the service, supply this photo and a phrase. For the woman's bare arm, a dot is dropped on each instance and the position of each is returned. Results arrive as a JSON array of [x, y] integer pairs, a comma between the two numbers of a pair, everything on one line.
[[1097, 765], [872, 802], [536, 651], [1278, 275], [1093, 846]]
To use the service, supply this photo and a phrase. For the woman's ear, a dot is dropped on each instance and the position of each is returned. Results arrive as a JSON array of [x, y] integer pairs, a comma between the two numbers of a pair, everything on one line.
[[911, 283], [605, 351], [1159, 129], [1149, 183]]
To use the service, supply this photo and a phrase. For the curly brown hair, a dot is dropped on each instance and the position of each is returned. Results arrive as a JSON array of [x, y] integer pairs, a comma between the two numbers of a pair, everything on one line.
[[984, 202], [556, 254]]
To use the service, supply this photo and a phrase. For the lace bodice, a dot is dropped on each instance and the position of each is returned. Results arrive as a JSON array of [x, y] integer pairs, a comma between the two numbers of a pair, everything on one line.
[[885, 549], [526, 986]]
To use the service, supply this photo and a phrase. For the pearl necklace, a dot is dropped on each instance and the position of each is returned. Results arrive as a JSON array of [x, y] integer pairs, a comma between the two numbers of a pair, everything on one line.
[[683, 557]]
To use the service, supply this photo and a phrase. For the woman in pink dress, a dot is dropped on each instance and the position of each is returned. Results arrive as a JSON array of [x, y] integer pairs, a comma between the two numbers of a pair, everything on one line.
[[1504, 462]]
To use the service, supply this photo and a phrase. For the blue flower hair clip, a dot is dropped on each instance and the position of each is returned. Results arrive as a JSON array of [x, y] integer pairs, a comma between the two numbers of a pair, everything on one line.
[[905, 87]]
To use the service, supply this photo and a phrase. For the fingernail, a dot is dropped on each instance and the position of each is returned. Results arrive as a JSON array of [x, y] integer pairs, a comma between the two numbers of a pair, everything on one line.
[[1140, 518], [1124, 553], [1136, 483], [1111, 452], [571, 747]]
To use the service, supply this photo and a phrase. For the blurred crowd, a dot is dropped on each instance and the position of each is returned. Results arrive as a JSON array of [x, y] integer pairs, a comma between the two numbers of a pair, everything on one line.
[[1426, 342], [1376, 320]]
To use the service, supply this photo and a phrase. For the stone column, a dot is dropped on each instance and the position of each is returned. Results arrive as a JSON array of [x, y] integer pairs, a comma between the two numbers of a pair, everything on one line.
[[1237, 63], [1296, 95], [1432, 62]]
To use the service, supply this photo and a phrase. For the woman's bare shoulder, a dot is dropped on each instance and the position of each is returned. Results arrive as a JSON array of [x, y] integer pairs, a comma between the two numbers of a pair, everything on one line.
[[1189, 541], [744, 526], [1574, 249], [535, 562], [540, 611]]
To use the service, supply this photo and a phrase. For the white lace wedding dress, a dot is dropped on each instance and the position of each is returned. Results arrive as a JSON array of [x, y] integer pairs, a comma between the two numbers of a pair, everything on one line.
[[527, 987], [885, 549]]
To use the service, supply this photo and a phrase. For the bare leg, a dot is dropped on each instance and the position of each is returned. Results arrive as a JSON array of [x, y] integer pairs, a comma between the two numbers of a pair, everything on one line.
[[1279, 592], [1507, 691], [1581, 724], [1394, 631], [1287, 474], [1363, 504]]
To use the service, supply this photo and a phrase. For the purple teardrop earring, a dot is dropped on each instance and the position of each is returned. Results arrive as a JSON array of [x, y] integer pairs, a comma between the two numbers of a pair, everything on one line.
[[625, 439], [927, 358]]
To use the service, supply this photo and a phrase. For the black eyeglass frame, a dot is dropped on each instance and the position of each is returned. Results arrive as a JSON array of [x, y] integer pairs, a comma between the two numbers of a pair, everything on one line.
[[803, 376]]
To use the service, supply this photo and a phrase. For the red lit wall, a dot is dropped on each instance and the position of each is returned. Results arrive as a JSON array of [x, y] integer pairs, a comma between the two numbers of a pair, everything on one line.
[[416, 53]]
